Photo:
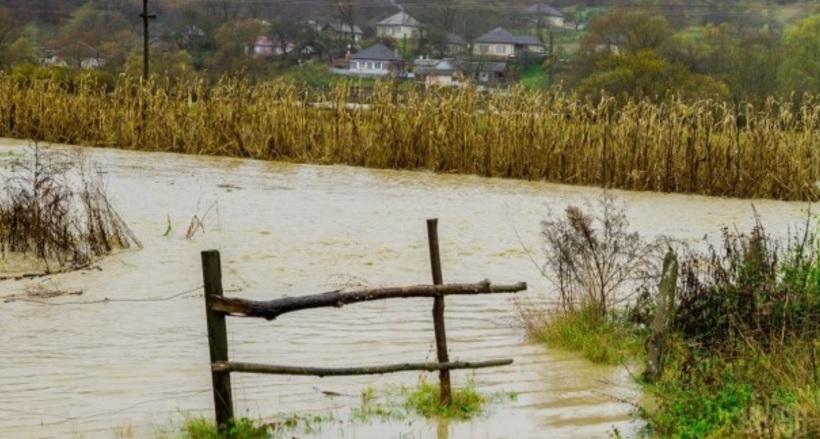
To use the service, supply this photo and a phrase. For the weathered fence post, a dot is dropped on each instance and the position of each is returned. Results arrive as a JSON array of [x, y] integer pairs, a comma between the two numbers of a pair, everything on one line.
[[438, 310], [664, 315], [217, 338]]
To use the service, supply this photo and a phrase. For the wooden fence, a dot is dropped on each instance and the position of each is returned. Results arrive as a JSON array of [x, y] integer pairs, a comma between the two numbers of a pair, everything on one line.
[[218, 307]]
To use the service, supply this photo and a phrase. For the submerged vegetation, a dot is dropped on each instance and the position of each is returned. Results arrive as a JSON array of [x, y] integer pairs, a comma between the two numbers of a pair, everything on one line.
[[54, 208], [397, 404], [424, 400], [699, 146], [740, 358]]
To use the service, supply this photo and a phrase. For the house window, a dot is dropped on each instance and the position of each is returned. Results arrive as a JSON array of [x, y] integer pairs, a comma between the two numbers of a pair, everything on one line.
[[501, 49], [354, 65], [369, 65], [483, 48], [378, 65]]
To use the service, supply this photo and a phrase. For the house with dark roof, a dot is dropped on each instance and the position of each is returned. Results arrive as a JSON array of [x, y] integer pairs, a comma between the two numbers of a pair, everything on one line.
[[542, 14], [500, 43], [455, 44], [437, 72], [454, 73], [399, 26], [376, 60], [344, 32], [485, 72]]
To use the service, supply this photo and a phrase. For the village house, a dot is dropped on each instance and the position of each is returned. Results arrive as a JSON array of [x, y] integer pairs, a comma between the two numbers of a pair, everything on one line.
[[437, 72], [376, 60], [453, 73], [485, 72], [500, 43], [92, 62], [455, 44], [344, 32], [542, 14], [399, 26], [264, 47]]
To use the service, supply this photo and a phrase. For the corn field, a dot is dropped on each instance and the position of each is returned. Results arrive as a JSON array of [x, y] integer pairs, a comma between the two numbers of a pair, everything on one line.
[[704, 147]]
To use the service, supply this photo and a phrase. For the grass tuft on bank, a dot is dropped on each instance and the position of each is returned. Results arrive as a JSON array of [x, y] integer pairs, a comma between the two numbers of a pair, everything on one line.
[[603, 340]]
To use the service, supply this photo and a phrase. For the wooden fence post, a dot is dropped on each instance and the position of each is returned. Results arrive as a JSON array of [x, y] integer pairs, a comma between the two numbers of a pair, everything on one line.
[[217, 338], [438, 310], [664, 317]]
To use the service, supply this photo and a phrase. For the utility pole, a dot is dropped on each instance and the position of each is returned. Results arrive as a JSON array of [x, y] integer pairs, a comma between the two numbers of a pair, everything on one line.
[[146, 17]]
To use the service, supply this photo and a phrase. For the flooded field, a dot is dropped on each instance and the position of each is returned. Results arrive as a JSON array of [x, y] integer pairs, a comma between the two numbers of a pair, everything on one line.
[[102, 369]]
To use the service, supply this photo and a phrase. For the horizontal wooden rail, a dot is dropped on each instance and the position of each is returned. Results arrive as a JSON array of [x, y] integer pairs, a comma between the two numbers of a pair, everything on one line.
[[271, 309], [225, 366]]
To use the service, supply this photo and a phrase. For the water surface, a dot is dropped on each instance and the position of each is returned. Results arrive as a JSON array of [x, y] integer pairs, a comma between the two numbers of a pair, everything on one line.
[[285, 229]]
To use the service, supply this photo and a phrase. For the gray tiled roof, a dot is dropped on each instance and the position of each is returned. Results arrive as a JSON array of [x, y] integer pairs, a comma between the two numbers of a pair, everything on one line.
[[378, 52], [500, 35], [544, 9], [400, 19], [485, 66], [439, 66]]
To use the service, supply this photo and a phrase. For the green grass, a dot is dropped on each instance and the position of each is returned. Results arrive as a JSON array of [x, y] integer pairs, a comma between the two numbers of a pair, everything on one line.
[[743, 393], [610, 340], [318, 75], [465, 402], [199, 428], [423, 400], [284, 427], [535, 77]]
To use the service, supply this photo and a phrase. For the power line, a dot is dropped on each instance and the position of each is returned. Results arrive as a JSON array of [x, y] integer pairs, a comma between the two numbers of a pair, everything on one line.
[[146, 17]]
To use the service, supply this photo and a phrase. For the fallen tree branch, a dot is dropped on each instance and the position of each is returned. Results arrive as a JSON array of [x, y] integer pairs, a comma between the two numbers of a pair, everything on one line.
[[226, 366], [272, 309]]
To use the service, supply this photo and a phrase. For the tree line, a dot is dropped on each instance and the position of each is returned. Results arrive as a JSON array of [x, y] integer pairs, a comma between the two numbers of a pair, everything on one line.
[[740, 49]]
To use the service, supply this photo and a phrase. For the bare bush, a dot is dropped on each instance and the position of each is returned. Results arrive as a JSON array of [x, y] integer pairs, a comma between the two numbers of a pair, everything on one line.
[[593, 258], [55, 208]]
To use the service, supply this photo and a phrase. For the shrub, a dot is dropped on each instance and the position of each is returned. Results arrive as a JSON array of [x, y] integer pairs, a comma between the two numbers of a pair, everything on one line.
[[54, 209], [751, 288], [594, 259]]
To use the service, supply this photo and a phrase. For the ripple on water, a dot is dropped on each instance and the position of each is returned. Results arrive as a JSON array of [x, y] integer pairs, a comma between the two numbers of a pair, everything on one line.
[[296, 229]]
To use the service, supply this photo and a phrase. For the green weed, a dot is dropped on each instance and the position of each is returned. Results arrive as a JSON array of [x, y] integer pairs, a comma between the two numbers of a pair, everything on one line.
[[603, 340]]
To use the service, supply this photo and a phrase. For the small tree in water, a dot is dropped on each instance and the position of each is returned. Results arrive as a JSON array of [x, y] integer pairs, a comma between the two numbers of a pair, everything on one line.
[[593, 258], [55, 209]]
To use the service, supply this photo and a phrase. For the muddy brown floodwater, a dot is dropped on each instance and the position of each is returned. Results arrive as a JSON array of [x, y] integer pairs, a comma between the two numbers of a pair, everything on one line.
[[99, 370]]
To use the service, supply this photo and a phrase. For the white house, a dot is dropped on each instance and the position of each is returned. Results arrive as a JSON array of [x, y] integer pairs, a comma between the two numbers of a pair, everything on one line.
[[264, 47], [376, 60], [452, 73], [499, 43], [399, 26], [437, 72], [93, 62], [542, 14]]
